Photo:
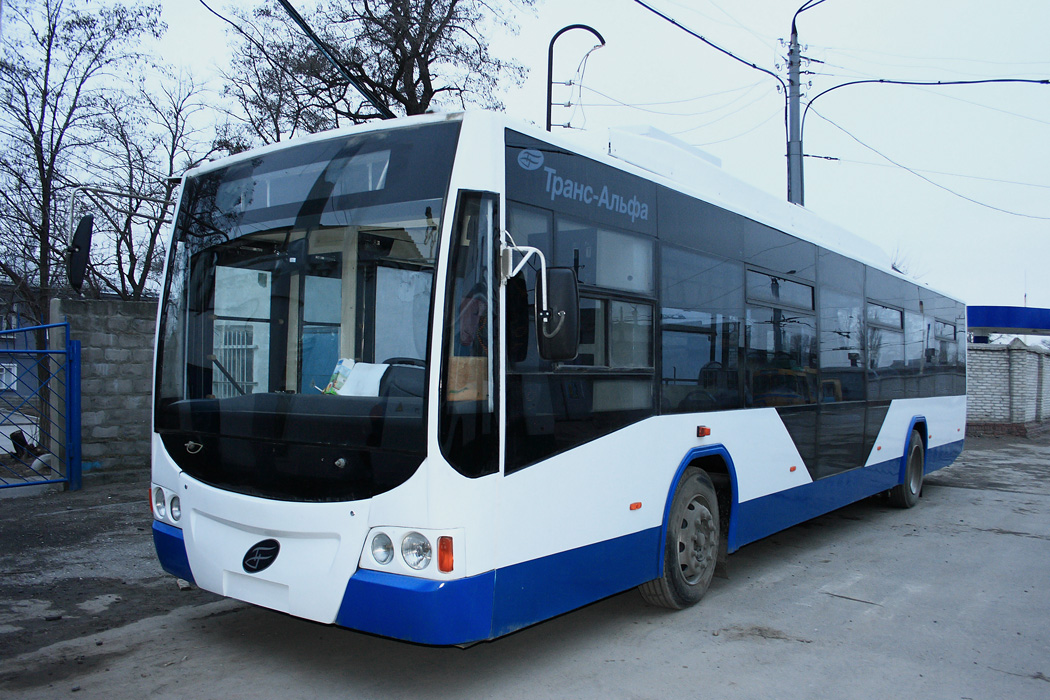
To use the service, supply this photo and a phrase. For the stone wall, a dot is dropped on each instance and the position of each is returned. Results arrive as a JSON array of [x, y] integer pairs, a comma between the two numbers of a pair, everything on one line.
[[116, 339], [1008, 388]]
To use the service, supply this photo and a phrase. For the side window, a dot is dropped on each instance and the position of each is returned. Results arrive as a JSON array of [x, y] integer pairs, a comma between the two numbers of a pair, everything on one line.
[[781, 342], [841, 347], [553, 407], [781, 357], [885, 334], [615, 334], [605, 258], [702, 299]]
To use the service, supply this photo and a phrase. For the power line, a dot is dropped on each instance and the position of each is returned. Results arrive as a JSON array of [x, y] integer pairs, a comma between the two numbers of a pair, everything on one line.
[[854, 51], [932, 172], [886, 81], [718, 119], [670, 102], [756, 127], [713, 45], [620, 103], [923, 177]]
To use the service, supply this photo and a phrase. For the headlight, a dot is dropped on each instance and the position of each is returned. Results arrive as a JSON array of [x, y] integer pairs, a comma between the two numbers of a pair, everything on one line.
[[175, 508], [382, 548], [416, 550], [159, 508]]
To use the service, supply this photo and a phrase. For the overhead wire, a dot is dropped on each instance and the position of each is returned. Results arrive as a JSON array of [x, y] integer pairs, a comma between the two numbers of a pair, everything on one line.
[[724, 116], [926, 179], [581, 69], [669, 102], [932, 172], [690, 32], [756, 127], [619, 103]]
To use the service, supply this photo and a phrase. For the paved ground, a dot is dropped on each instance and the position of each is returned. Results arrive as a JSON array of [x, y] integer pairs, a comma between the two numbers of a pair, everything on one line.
[[947, 600]]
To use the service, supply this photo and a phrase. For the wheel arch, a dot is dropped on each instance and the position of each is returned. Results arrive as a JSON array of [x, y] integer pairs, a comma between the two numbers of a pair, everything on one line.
[[918, 423], [716, 462]]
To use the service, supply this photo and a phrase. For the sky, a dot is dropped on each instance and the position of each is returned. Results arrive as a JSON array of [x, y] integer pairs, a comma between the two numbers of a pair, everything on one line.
[[952, 182]]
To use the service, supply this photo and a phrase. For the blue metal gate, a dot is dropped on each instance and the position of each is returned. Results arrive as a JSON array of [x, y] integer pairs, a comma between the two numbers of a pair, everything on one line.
[[39, 407]]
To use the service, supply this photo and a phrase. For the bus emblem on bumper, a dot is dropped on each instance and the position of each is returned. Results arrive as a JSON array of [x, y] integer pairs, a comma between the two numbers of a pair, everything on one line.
[[260, 556]]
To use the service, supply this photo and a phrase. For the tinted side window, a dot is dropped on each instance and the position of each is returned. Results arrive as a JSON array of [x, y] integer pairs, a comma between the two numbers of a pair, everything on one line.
[[553, 407], [702, 299], [841, 347], [781, 357]]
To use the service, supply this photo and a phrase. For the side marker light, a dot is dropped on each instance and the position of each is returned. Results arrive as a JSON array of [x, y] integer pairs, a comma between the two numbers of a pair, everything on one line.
[[702, 431], [793, 468], [636, 506]]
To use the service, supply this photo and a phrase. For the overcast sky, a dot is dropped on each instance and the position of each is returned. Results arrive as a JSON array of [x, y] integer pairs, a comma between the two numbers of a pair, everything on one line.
[[990, 143]]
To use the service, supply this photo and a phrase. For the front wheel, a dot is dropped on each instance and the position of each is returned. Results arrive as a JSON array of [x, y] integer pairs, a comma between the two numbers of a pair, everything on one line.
[[691, 544], [906, 495]]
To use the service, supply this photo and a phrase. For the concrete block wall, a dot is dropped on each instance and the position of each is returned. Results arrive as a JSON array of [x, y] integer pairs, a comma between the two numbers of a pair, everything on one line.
[[1008, 387], [116, 340]]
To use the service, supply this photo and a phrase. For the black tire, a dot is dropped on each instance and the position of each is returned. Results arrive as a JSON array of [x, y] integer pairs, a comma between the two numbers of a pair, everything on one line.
[[691, 546], [906, 495]]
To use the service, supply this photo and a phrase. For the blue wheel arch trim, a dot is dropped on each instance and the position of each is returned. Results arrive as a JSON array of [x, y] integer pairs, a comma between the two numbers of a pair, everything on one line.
[[924, 434], [692, 455]]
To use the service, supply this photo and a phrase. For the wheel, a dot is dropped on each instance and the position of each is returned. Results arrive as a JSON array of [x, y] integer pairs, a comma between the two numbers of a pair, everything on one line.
[[906, 495], [691, 547]]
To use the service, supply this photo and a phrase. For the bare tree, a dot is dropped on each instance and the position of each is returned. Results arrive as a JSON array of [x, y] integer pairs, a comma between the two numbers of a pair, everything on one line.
[[416, 55], [150, 139], [61, 58]]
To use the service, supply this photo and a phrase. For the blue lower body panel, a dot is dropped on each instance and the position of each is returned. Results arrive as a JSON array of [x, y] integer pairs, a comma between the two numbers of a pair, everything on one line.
[[536, 590], [419, 610], [171, 550], [497, 602], [752, 520]]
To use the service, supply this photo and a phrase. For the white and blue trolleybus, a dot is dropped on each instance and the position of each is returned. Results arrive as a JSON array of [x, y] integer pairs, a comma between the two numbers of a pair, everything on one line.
[[443, 377]]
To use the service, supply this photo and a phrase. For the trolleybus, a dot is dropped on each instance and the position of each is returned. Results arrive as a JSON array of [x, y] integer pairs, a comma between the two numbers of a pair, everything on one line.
[[443, 377]]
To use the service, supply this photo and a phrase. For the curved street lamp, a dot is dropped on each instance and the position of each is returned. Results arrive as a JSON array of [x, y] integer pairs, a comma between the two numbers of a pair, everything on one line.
[[550, 60]]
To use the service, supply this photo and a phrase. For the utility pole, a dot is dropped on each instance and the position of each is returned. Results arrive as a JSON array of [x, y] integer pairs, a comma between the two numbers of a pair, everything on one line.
[[794, 154]]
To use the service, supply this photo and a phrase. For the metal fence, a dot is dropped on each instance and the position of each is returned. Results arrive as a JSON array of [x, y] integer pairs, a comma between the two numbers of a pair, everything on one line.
[[39, 407]]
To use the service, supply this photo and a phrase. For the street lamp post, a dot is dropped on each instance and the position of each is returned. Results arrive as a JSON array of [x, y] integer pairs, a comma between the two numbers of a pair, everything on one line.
[[550, 61]]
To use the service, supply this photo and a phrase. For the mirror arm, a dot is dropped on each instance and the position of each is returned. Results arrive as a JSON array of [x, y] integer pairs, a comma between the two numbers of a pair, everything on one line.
[[510, 270]]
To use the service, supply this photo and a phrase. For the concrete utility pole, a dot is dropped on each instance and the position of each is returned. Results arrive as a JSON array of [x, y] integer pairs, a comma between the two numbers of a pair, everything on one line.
[[794, 154]]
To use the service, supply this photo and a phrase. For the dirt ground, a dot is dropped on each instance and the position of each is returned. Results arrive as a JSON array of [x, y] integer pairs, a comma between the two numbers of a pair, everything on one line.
[[73, 564]]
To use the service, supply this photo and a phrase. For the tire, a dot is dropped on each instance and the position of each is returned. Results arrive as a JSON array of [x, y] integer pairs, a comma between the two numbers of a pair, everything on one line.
[[691, 545], [906, 495]]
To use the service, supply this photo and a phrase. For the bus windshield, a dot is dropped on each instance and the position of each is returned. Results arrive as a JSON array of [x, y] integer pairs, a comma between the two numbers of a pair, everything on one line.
[[296, 311]]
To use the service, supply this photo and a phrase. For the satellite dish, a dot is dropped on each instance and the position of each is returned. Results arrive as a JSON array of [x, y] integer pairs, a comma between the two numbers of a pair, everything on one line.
[[79, 249]]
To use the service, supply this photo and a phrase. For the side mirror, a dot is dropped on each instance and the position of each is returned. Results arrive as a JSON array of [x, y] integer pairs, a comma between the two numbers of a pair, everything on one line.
[[558, 328], [79, 251]]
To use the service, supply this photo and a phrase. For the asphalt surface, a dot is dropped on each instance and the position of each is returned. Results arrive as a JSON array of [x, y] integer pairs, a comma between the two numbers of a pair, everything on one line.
[[946, 600]]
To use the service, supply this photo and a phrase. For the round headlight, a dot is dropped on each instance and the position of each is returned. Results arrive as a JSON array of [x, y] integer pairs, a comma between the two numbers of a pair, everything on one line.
[[416, 550], [382, 548], [158, 502], [175, 508]]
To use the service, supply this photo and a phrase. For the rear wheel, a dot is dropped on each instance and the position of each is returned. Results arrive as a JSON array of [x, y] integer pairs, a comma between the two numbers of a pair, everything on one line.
[[691, 544], [906, 495]]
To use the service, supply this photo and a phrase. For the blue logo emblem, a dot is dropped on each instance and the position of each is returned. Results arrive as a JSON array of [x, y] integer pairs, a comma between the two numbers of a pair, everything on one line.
[[530, 159]]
